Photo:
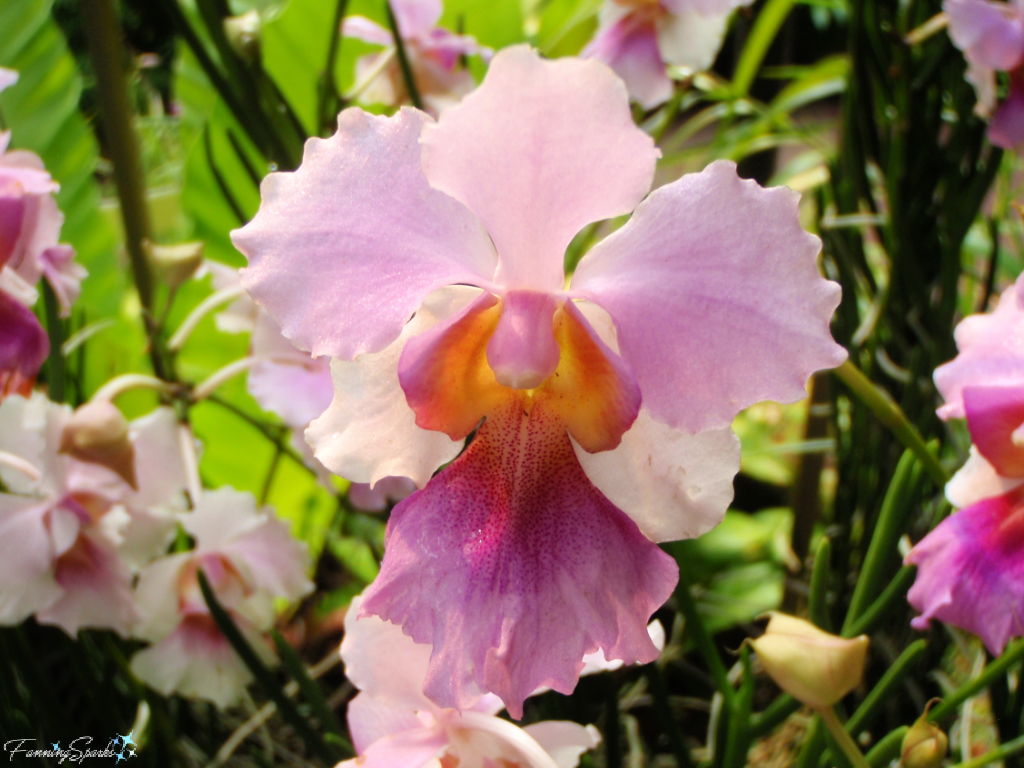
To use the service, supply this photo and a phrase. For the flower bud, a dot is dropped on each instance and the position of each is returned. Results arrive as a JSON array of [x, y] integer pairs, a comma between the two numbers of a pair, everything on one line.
[[924, 746], [810, 664], [243, 34], [175, 264], [98, 433]]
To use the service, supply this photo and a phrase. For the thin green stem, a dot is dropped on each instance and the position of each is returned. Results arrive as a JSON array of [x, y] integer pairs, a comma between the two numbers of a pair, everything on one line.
[[892, 416], [669, 726], [1004, 750], [701, 638], [842, 738], [896, 590], [403, 60], [818, 602], [888, 749], [1011, 656]]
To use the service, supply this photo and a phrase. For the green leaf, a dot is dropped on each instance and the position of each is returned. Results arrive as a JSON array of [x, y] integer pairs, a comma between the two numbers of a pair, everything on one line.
[[356, 555]]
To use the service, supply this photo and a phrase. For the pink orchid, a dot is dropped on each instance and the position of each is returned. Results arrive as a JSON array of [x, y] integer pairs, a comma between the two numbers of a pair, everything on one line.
[[393, 725], [250, 559], [991, 35], [970, 567], [639, 39], [517, 559], [375, 498], [72, 534], [433, 53]]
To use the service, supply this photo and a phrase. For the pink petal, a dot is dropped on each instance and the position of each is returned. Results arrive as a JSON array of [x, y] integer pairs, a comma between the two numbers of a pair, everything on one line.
[[40, 231], [375, 498], [977, 480], [371, 719], [97, 589], [538, 151], [716, 298], [989, 33], [564, 741], [369, 432], [405, 749], [64, 274], [297, 392], [157, 596], [383, 662], [991, 354], [12, 214], [197, 662], [27, 582], [993, 414], [159, 463], [513, 566], [522, 351], [971, 573], [344, 250], [24, 347], [692, 38], [275, 561], [632, 51], [706, 7], [368, 31], [416, 18], [672, 484], [1006, 129]]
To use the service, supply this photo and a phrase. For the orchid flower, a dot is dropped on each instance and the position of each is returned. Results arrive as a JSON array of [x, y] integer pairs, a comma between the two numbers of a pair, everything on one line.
[[393, 725], [72, 533], [639, 39], [991, 35], [600, 410], [250, 559], [433, 53], [29, 229], [970, 568]]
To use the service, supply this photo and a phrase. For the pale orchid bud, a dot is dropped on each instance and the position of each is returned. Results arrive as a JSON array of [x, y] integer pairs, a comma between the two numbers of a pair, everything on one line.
[[243, 34], [175, 263], [812, 665], [925, 744], [98, 433]]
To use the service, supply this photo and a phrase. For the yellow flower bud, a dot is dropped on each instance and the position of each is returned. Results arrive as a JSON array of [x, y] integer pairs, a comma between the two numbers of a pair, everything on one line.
[[812, 665], [174, 264], [924, 746], [98, 433]]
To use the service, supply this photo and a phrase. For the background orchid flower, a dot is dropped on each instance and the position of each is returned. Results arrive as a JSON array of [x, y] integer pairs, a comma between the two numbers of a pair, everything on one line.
[[434, 54], [250, 559], [613, 394], [72, 534], [970, 567], [640, 38], [393, 725], [991, 35]]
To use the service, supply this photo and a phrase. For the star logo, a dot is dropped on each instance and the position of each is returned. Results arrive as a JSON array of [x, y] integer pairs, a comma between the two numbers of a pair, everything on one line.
[[126, 740], [56, 747], [120, 756]]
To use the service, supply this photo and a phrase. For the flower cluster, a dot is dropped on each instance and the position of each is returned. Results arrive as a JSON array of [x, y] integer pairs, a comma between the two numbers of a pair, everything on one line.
[[970, 567], [30, 225], [599, 412]]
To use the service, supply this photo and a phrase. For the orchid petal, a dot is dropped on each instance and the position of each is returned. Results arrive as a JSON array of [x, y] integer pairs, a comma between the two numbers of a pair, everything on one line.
[[157, 596], [64, 274], [514, 153], [366, 30], [406, 749], [716, 298], [416, 18], [27, 582], [989, 33], [1006, 128], [970, 573], [24, 346], [376, 498], [510, 605], [344, 250], [632, 51], [371, 719], [993, 414], [991, 354], [691, 38], [369, 431], [8, 77], [977, 480], [564, 741]]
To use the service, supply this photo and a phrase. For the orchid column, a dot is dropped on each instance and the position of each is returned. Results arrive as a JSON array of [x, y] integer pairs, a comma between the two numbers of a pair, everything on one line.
[[600, 411]]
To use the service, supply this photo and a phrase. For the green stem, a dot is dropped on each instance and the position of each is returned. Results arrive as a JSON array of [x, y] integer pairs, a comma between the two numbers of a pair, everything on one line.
[[403, 60], [896, 590], [705, 645], [758, 42], [888, 749], [949, 705], [106, 50], [817, 602], [842, 738], [892, 416], [1005, 750], [886, 687], [669, 726]]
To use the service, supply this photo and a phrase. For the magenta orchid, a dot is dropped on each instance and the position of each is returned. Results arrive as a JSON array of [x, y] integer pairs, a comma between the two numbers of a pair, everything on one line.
[[29, 229], [393, 725], [615, 393], [434, 55], [639, 39], [72, 533], [970, 567], [991, 35], [250, 559]]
